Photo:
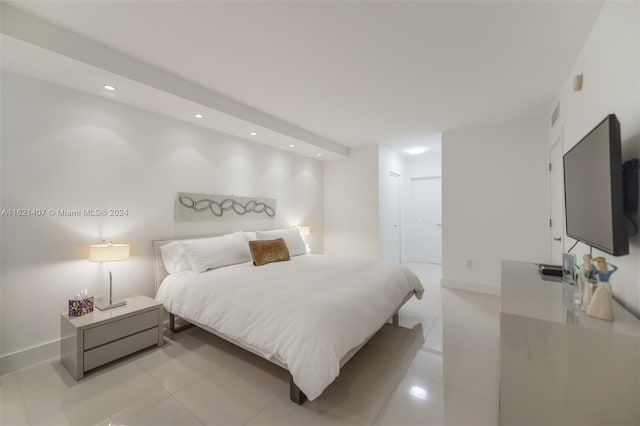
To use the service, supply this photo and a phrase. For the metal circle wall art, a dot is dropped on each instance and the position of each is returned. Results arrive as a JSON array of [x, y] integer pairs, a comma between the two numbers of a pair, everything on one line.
[[199, 207]]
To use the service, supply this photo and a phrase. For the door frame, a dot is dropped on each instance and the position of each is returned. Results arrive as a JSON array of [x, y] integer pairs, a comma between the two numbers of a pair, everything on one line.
[[397, 176], [557, 141]]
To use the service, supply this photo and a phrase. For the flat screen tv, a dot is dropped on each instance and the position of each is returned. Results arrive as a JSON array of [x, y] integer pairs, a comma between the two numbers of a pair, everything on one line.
[[593, 188]]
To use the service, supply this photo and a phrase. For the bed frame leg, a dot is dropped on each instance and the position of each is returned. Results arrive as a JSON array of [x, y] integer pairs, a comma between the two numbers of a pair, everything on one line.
[[395, 320], [172, 325], [295, 393]]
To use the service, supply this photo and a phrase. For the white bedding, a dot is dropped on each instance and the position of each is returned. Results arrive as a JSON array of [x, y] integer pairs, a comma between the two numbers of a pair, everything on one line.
[[307, 313]]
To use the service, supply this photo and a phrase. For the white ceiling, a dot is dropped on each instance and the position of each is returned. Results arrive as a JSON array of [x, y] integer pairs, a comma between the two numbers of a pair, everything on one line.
[[432, 143], [352, 72], [25, 58]]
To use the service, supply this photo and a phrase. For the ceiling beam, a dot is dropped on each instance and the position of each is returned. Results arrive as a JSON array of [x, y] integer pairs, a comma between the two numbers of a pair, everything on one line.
[[33, 30]]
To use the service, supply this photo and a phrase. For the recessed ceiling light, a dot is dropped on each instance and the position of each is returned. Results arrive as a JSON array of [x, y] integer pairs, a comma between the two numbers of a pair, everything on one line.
[[253, 133], [292, 146], [319, 155], [416, 151], [109, 87], [199, 115]]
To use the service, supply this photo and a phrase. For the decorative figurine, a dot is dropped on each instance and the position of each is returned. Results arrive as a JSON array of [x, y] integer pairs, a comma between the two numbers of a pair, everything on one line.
[[601, 305], [603, 269], [588, 268]]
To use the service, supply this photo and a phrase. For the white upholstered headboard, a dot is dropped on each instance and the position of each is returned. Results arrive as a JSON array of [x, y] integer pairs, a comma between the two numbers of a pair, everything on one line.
[[159, 271]]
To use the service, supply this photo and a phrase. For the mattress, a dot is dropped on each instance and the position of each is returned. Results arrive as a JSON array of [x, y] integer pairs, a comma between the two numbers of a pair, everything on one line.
[[305, 314]]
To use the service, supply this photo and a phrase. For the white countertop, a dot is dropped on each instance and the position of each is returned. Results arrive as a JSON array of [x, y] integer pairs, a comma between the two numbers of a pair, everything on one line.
[[558, 366], [529, 294]]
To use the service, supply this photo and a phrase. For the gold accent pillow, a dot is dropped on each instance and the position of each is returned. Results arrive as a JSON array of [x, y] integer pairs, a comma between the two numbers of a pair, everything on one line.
[[268, 251]]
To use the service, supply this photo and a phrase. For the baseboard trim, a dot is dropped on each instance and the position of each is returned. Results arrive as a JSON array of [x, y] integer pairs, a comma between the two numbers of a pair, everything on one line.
[[476, 287], [27, 357], [424, 262]]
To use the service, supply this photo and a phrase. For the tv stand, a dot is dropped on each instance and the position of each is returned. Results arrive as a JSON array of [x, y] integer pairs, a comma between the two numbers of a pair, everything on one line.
[[559, 366]]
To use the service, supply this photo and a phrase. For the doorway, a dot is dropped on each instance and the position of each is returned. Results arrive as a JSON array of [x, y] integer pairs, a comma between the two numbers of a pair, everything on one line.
[[394, 210], [425, 220], [390, 247], [556, 202]]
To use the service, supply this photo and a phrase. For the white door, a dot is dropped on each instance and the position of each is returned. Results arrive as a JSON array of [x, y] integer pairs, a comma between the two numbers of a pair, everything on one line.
[[394, 215], [556, 202], [425, 220], [390, 218]]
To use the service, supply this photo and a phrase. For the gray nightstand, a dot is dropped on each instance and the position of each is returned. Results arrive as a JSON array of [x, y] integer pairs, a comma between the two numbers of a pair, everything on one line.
[[103, 336]]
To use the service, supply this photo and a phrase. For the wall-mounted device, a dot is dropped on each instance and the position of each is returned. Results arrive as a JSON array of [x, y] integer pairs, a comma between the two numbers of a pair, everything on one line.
[[594, 192], [577, 83], [630, 182]]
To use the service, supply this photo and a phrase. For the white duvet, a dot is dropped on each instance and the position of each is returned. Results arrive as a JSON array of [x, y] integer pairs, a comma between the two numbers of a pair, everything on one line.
[[306, 314]]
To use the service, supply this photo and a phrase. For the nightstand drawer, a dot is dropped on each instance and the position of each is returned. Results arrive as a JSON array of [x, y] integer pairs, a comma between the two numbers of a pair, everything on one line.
[[114, 350], [100, 335]]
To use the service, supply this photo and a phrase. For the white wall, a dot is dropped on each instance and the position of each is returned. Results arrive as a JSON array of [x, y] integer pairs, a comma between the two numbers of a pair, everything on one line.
[[610, 63], [66, 149], [428, 164], [495, 200], [351, 225]]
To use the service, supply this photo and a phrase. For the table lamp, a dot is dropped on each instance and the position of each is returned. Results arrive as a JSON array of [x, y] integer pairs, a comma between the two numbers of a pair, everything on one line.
[[305, 231], [109, 252]]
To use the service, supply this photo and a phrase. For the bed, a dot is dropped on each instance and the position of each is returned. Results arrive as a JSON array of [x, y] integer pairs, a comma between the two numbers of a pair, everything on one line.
[[309, 315]]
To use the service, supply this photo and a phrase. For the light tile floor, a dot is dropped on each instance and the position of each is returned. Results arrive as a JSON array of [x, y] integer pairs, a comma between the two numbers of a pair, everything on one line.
[[440, 368]]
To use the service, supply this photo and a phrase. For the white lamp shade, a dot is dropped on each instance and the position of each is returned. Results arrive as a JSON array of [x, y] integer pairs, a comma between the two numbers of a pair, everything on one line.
[[108, 252], [304, 230]]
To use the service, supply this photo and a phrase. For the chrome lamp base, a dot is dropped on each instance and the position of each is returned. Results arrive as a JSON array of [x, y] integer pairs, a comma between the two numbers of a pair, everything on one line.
[[112, 305]]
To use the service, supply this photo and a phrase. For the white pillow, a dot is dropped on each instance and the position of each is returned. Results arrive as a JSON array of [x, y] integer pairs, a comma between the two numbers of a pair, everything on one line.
[[291, 236], [174, 258], [216, 252], [250, 235]]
